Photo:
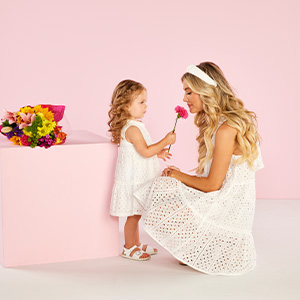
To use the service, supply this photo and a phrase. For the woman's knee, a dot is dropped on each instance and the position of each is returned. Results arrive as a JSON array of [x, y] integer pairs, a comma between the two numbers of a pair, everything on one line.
[[165, 183]]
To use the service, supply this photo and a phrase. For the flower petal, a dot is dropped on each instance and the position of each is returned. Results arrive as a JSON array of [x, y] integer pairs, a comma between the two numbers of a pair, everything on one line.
[[6, 129]]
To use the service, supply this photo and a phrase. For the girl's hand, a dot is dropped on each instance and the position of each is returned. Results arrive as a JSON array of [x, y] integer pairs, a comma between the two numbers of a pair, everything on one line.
[[171, 138], [163, 154]]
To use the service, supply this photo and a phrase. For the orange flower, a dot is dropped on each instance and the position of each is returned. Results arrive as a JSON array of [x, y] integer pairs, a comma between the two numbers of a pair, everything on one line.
[[57, 129], [16, 140], [61, 136]]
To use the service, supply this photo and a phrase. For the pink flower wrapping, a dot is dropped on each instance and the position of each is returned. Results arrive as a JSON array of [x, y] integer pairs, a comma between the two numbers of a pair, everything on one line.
[[58, 111]]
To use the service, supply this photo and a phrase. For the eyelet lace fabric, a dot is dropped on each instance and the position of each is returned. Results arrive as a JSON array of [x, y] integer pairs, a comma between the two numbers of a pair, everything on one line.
[[211, 232], [132, 171]]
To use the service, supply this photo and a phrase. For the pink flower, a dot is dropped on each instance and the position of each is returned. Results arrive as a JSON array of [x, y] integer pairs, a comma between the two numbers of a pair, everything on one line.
[[9, 116], [181, 111], [24, 140], [27, 120]]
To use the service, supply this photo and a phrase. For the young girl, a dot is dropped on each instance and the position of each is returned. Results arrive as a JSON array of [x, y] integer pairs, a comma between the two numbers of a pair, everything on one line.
[[137, 161], [205, 221]]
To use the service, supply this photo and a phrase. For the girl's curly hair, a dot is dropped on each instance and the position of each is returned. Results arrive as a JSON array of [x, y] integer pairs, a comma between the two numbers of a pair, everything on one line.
[[123, 95]]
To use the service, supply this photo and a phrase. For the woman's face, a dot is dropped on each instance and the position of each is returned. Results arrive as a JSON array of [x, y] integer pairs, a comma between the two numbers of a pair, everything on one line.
[[192, 99]]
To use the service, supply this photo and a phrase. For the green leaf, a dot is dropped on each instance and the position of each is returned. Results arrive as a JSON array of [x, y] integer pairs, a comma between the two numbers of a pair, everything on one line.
[[6, 123]]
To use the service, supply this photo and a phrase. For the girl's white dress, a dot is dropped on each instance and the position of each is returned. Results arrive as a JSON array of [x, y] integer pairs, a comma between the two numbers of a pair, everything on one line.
[[132, 171], [210, 232]]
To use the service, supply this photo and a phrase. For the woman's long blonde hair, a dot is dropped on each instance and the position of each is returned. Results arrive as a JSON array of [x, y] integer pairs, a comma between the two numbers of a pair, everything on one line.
[[124, 93], [221, 102]]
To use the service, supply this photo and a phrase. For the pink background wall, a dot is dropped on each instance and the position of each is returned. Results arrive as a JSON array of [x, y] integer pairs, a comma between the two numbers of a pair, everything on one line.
[[75, 52]]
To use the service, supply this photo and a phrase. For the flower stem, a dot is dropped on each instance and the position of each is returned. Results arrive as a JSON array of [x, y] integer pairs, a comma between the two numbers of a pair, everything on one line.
[[175, 124], [178, 116]]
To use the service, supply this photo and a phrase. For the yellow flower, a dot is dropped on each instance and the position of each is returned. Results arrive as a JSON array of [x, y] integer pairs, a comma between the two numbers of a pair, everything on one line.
[[58, 141], [42, 131], [16, 140], [45, 111], [48, 126], [19, 119], [27, 109]]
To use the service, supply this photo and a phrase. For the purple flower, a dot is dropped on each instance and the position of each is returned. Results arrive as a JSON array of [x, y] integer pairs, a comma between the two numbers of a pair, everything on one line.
[[15, 131], [46, 141]]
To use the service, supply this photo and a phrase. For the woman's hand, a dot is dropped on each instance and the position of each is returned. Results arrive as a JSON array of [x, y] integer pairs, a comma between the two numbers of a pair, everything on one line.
[[163, 154], [170, 171]]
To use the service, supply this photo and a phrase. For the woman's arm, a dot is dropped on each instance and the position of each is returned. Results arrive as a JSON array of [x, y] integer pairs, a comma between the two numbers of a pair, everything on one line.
[[133, 135], [224, 147]]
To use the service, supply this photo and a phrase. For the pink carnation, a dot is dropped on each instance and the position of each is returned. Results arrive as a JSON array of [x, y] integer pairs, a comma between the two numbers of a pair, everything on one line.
[[181, 111], [24, 140]]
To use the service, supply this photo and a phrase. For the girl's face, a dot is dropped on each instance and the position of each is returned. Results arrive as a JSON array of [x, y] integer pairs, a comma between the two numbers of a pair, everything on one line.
[[192, 99], [138, 106]]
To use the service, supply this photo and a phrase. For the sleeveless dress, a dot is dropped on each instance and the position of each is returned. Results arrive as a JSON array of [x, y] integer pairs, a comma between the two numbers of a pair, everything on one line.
[[132, 171], [210, 232]]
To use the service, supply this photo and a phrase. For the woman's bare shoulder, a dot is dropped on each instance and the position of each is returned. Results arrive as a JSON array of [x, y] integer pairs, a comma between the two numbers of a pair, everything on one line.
[[226, 131]]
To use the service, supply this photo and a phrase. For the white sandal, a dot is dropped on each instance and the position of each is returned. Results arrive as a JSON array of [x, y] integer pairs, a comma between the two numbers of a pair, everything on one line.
[[149, 250], [134, 254]]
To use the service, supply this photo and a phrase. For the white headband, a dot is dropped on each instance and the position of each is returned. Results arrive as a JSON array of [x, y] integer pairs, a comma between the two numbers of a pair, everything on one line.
[[192, 69]]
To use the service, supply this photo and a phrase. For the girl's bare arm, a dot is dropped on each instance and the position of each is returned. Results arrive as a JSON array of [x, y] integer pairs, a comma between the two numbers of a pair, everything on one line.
[[133, 135]]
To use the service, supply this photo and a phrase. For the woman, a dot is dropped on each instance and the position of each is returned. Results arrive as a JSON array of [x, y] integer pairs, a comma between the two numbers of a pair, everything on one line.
[[205, 221]]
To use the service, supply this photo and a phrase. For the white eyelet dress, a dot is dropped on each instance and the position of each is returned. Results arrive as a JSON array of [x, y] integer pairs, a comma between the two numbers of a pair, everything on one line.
[[210, 232], [132, 171]]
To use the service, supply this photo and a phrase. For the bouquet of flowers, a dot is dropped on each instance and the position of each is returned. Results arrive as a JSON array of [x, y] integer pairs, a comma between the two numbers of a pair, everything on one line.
[[34, 126]]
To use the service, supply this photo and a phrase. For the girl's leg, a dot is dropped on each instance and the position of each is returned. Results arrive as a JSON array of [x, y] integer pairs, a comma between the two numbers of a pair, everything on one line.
[[137, 235], [130, 230]]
